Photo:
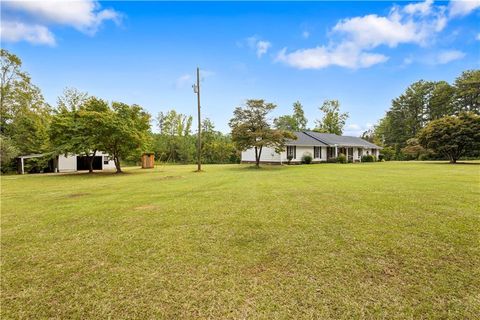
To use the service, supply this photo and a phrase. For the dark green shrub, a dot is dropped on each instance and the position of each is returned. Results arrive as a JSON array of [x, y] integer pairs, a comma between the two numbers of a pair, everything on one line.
[[388, 153], [381, 157], [368, 158], [289, 158], [307, 158], [332, 160], [342, 158]]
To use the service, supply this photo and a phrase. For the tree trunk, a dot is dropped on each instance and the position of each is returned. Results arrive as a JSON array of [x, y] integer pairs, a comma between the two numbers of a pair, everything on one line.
[[116, 160], [90, 162], [259, 157], [453, 158], [257, 160]]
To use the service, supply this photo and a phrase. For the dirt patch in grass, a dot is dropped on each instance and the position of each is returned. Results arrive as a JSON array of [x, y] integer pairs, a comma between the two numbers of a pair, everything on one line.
[[147, 207], [170, 178], [77, 195]]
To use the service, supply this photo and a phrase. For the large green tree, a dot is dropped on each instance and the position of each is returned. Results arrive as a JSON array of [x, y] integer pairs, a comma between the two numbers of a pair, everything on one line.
[[333, 121], [251, 129], [422, 102], [216, 147], [125, 131], [72, 129], [467, 92], [174, 141], [452, 136], [8, 152], [25, 117], [295, 122], [11, 78]]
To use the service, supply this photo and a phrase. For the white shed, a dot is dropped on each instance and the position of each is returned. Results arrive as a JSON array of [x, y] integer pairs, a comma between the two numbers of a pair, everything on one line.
[[71, 162]]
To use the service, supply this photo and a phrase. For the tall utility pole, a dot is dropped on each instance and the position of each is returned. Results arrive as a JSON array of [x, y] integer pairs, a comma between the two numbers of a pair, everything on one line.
[[196, 89]]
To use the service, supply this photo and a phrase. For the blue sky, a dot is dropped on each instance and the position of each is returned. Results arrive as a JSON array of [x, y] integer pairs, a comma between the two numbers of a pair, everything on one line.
[[362, 53]]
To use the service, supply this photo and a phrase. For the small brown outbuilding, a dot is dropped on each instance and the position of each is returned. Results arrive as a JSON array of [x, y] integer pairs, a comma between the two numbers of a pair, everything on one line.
[[148, 161]]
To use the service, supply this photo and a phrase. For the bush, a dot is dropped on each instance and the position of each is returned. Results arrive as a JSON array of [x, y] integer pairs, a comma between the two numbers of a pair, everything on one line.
[[342, 158], [388, 153], [289, 158], [423, 157], [332, 160], [381, 157], [368, 158], [307, 158], [8, 152]]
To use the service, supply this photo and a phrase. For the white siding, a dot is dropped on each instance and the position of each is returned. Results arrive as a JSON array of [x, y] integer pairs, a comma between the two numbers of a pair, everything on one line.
[[110, 165], [269, 155], [68, 163]]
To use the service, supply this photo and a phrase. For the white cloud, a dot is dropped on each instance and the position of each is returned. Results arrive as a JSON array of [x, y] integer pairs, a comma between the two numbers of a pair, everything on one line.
[[259, 46], [449, 56], [345, 55], [353, 39], [400, 26], [478, 36], [305, 34], [459, 8], [407, 60], [262, 47], [36, 16], [422, 8], [17, 31], [183, 81]]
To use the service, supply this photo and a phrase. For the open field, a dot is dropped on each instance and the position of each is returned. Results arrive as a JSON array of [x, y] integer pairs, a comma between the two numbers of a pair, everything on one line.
[[377, 240]]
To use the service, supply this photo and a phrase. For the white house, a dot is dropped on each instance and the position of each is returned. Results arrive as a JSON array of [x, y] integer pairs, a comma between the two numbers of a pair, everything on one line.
[[70, 163], [321, 146]]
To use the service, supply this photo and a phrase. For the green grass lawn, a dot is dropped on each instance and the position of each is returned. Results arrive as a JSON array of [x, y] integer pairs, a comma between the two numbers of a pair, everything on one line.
[[373, 240]]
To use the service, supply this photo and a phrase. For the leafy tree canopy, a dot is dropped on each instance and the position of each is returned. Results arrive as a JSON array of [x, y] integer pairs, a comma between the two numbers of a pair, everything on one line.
[[333, 120], [295, 122], [25, 116], [452, 136], [251, 129], [125, 131]]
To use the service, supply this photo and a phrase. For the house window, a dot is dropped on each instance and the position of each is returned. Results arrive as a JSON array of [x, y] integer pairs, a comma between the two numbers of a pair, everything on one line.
[[330, 152], [105, 159], [292, 151], [317, 152]]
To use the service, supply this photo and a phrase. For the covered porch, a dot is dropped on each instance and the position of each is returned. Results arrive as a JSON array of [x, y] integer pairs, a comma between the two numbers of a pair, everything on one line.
[[352, 154]]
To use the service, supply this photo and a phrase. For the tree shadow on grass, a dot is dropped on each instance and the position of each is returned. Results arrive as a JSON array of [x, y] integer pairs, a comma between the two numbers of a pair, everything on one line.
[[262, 167], [88, 175], [451, 164]]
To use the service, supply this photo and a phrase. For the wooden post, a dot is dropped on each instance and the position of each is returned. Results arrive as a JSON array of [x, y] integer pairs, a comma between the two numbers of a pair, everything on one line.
[[199, 144]]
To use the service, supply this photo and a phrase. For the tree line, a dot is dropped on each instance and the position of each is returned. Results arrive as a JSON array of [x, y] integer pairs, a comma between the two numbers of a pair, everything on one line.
[[403, 128], [84, 125], [176, 143]]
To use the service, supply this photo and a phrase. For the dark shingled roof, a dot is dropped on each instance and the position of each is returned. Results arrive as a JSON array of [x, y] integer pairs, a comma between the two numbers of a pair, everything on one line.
[[304, 139], [343, 141]]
